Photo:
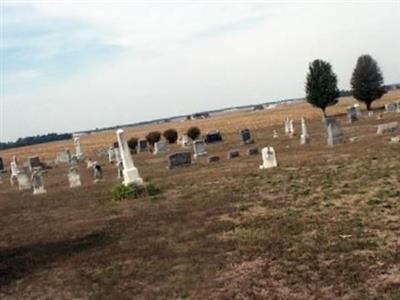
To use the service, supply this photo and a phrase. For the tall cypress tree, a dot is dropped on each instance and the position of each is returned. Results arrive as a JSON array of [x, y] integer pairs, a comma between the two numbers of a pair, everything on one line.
[[321, 85], [367, 81]]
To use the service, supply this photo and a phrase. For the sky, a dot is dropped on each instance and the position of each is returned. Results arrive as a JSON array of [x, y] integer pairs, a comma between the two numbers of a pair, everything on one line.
[[75, 65]]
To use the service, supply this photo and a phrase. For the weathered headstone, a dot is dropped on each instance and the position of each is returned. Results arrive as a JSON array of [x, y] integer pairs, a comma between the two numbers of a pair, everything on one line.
[[78, 149], [245, 136], [398, 106], [275, 134], [179, 159], [199, 148], [388, 127], [291, 128], [212, 159], [14, 170], [391, 107], [23, 181], [252, 151], [89, 163], [130, 173], [233, 153], [370, 113], [63, 157], [213, 137], [160, 147], [142, 145], [334, 134], [352, 114], [74, 177], [184, 140], [97, 172], [74, 160], [304, 137], [37, 182], [395, 140], [269, 158], [287, 125]]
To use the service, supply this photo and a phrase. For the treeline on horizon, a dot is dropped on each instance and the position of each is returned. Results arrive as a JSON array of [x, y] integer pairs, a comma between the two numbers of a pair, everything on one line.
[[38, 139]]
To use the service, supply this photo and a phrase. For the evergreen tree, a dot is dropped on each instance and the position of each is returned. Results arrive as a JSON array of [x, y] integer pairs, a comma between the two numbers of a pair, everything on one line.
[[367, 81], [321, 85]]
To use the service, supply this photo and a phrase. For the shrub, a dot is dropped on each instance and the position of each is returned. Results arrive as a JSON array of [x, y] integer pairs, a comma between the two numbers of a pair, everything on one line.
[[153, 137], [134, 191], [132, 143], [152, 189], [193, 133], [171, 135]]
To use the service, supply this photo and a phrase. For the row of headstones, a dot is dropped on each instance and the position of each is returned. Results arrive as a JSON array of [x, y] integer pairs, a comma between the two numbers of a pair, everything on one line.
[[393, 107], [184, 158]]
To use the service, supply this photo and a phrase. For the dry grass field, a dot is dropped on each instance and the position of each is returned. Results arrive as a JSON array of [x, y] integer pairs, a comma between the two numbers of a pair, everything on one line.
[[325, 224]]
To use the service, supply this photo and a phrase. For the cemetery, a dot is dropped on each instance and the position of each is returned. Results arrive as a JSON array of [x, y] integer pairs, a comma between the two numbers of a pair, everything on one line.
[[293, 214]]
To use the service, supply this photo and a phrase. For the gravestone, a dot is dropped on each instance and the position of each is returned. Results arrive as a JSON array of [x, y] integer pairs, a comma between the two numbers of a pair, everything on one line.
[[118, 157], [74, 177], [304, 137], [179, 159], [97, 172], [142, 145], [252, 151], [245, 136], [199, 148], [334, 134], [275, 134], [213, 137], [111, 155], [102, 152], [287, 125], [291, 128], [269, 158], [78, 150], [160, 147], [23, 181], [352, 114], [14, 170], [37, 182], [74, 160], [63, 157], [34, 163], [370, 113], [395, 140], [398, 106], [329, 120], [130, 173], [212, 159], [233, 153], [1, 165], [89, 163], [391, 107], [387, 128], [184, 140]]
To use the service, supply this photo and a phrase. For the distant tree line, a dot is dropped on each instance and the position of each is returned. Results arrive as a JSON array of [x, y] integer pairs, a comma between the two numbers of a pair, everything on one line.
[[39, 139]]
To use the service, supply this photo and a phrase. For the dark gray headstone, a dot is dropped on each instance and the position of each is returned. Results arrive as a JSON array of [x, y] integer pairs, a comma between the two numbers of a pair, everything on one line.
[[34, 163], [233, 154], [1, 164], [142, 145], [179, 159], [213, 137], [252, 151], [245, 136], [212, 158]]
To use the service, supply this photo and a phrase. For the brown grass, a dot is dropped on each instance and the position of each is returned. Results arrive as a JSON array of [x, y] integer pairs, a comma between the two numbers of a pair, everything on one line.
[[325, 224]]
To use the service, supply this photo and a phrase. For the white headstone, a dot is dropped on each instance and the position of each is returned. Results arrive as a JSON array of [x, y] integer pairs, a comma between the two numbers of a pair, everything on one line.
[[89, 163], [388, 127], [287, 125], [131, 174], [74, 177], [275, 134], [199, 148], [269, 158], [304, 138], [184, 141], [78, 150], [23, 181], [291, 127]]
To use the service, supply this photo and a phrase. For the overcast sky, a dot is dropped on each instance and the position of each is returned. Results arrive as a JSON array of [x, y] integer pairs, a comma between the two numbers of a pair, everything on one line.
[[79, 65]]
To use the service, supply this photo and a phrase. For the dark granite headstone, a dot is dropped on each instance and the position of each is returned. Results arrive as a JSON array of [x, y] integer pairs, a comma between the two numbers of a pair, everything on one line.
[[179, 159], [34, 163], [245, 136], [142, 145], [1, 164], [213, 137], [233, 154], [252, 151]]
